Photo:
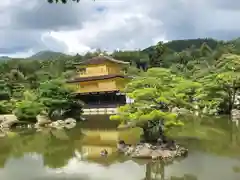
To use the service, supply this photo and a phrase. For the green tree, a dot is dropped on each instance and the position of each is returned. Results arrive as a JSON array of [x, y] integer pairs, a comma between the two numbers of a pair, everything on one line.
[[15, 82], [156, 57], [59, 99], [6, 106], [155, 92], [222, 85], [4, 91], [29, 107]]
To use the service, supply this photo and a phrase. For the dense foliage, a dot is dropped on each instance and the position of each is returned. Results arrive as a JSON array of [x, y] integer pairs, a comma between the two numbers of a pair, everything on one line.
[[28, 88], [198, 79], [155, 92], [181, 73]]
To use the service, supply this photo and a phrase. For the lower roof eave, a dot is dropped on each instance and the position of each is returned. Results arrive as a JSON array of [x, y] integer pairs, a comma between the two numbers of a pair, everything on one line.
[[100, 92], [95, 78]]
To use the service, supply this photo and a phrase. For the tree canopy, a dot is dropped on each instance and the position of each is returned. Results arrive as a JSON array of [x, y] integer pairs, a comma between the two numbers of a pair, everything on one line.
[[198, 79], [155, 92], [208, 67], [64, 1]]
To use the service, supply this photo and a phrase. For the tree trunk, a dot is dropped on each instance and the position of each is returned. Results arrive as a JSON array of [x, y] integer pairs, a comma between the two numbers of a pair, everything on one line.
[[152, 136], [146, 134], [161, 137], [230, 102], [148, 173]]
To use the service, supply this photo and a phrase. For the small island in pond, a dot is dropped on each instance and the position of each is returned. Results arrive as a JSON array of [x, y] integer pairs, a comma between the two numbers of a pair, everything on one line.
[[165, 151]]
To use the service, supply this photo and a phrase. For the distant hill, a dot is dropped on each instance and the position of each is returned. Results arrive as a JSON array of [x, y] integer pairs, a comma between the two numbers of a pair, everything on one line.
[[179, 45], [3, 58], [175, 45], [46, 55]]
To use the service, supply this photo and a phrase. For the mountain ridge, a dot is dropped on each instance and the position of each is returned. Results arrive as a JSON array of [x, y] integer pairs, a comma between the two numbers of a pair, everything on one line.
[[47, 54], [176, 45]]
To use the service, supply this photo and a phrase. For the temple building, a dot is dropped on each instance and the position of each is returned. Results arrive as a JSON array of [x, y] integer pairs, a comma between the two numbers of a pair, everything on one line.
[[99, 82]]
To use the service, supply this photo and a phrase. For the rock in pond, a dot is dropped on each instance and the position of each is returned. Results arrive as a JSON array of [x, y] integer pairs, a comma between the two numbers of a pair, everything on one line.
[[42, 121], [235, 114], [148, 151], [67, 123], [70, 123], [7, 120]]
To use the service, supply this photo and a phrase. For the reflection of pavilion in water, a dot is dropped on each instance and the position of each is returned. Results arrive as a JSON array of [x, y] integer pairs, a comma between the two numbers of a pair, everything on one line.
[[236, 122], [101, 133]]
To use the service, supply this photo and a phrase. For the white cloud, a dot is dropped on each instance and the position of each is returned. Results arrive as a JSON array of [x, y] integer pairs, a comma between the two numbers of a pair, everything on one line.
[[111, 24], [32, 166], [23, 54], [115, 28], [116, 171], [74, 169]]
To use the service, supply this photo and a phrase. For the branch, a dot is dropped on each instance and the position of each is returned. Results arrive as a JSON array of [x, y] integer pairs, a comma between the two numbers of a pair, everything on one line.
[[63, 1]]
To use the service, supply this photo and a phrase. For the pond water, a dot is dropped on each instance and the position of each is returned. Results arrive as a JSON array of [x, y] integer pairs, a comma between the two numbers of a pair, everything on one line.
[[214, 146]]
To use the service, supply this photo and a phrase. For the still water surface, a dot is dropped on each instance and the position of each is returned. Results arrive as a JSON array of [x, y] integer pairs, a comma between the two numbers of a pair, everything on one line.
[[214, 146]]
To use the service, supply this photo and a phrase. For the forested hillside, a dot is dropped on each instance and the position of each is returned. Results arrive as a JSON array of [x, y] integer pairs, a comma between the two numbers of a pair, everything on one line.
[[180, 45], [45, 55], [192, 59]]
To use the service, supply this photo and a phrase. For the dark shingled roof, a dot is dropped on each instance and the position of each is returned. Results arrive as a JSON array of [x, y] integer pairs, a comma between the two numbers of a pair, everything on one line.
[[101, 59], [93, 78]]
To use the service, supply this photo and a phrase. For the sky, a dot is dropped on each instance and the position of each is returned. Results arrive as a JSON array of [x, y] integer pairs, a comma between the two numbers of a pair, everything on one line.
[[27, 27]]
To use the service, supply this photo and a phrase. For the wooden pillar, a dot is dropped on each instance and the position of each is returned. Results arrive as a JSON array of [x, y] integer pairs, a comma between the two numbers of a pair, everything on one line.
[[111, 99], [124, 99], [99, 98], [115, 98]]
